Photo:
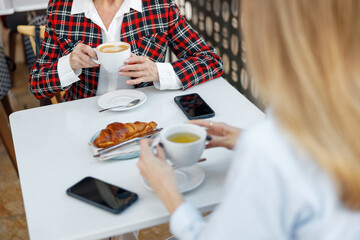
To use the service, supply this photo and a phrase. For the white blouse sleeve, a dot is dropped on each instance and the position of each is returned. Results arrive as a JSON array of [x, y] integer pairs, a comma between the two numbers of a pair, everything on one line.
[[67, 75], [186, 222], [254, 205], [168, 80]]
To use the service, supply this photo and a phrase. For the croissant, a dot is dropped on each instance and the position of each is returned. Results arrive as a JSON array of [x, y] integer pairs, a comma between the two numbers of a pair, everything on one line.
[[120, 132]]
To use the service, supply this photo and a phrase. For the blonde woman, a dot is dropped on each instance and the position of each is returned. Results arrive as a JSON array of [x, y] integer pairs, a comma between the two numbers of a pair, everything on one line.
[[296, 175]]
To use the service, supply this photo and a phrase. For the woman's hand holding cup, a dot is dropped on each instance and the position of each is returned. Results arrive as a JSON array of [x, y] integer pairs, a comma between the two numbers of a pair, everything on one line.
[[159, 174], [140, 69], [82, 57], [220, 134]]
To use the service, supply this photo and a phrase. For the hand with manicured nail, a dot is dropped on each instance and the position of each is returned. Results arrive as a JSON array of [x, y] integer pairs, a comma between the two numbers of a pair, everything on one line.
[[219, 134], [140, 68], [159, 174]]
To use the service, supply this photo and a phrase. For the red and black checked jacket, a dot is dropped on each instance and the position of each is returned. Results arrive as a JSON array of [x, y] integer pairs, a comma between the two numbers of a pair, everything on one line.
[[149, 33]]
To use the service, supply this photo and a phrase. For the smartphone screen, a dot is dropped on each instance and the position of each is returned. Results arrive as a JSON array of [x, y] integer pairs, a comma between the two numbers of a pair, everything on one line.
[[194, 107], [102, 194]]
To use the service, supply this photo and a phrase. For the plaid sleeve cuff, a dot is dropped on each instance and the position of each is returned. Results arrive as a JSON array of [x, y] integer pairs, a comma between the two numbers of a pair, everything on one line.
[[167, 77], [67, 75]]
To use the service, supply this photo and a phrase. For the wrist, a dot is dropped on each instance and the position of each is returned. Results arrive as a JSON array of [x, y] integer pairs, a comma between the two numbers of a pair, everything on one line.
[[157, 76], [171, 197], [174, 202], [72, 65]]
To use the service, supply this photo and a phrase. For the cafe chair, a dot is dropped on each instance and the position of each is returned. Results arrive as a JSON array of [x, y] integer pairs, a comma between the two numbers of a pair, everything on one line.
[[36, 33], [6, 66], [10, 22], [5, 135], [5, 109]]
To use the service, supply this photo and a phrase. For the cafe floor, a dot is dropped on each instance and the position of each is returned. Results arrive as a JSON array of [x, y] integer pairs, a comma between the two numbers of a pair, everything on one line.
[[12, 215]]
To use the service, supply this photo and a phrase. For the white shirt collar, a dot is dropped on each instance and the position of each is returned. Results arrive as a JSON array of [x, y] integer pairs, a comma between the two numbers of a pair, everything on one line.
[[86, 6], [136, 5]]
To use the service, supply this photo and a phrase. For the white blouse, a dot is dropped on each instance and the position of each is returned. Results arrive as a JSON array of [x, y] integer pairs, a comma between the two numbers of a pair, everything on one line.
[[274, 190]]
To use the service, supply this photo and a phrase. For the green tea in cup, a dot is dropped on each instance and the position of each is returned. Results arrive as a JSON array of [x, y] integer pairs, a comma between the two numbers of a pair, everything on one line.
[[183, 143], [183, 137]]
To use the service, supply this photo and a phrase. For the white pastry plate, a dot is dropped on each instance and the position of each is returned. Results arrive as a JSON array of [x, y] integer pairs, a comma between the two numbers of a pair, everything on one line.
[[121, 97], [123, 153]]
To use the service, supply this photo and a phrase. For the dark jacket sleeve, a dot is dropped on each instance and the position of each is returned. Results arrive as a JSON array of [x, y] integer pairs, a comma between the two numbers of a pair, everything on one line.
[[197, 61]]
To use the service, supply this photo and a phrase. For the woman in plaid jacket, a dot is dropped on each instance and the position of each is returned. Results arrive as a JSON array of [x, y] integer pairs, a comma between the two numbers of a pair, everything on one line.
[[75, 27]]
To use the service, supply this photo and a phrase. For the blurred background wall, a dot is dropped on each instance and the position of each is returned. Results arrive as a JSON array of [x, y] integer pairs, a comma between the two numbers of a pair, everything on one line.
[[218, 22]]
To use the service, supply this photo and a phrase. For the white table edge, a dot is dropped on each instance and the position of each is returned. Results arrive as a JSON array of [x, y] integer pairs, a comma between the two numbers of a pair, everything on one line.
[[32, 7], [7, 11]]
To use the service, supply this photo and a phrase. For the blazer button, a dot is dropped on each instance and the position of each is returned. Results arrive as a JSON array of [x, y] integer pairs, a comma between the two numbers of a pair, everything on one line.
[[70, 44]]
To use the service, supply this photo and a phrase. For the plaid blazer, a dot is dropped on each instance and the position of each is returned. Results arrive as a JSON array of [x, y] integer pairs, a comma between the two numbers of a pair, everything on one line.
[[149, 33]]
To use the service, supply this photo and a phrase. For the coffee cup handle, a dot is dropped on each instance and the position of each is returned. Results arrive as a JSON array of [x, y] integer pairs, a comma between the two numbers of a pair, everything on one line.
[[95, 61]]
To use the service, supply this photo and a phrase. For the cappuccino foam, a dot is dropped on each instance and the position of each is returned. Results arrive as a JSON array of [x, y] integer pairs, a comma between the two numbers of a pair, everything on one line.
[[112, 48]]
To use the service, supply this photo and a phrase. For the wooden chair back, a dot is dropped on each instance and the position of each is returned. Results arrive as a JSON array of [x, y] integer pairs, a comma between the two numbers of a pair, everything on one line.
[[29, 30]]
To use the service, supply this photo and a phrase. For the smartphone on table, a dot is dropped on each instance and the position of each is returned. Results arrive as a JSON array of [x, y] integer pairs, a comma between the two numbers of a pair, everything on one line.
[[194, 107], [103, 195]]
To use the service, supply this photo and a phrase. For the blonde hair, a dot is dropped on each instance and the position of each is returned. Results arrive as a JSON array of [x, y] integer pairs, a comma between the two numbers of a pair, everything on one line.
[[305, 58]]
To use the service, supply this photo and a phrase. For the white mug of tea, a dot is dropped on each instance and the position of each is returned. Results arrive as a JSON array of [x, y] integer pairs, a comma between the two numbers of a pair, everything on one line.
[[111, 55], [183, 144]]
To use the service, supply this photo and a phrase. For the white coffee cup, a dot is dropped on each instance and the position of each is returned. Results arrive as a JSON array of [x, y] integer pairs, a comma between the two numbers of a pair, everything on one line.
[[183, 154], [112, 61]]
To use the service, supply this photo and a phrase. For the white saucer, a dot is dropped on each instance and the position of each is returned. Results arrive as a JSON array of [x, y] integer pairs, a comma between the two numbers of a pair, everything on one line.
[[121, 97], [187, 178]]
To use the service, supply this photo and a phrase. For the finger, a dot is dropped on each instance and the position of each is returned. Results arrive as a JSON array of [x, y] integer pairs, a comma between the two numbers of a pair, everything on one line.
[[209, 145], [213, 128], [215, 142], [133, 67], [202, 123], [160, 151], [79, 46], [133, 74], [136, 81], [89, 51], [136, 59], [145, 148], [88, 61]]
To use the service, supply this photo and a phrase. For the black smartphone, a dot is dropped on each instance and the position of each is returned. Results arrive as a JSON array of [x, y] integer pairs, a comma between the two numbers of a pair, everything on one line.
[[103, 195], [194, 107]]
